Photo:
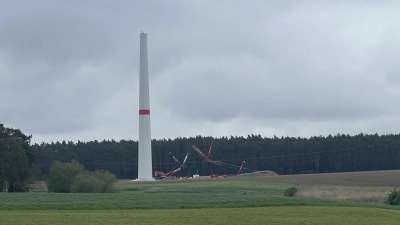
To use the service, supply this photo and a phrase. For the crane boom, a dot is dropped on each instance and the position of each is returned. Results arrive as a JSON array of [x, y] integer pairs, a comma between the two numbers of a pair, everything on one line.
[[241, 168], [204, 156], [201, 153], [175, 159], [211, 148]]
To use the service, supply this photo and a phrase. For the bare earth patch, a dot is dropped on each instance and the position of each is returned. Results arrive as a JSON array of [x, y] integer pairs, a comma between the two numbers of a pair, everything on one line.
[[356, 194], [388, 178], [258, 174]]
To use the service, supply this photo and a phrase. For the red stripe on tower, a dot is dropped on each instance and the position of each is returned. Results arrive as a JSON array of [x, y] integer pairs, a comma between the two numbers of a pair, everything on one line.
[[144, 111]]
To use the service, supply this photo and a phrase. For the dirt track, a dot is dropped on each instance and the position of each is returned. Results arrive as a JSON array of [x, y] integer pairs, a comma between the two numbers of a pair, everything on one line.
[[389, 178]]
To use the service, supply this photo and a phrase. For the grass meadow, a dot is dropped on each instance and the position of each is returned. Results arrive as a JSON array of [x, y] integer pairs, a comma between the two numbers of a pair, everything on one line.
[[260, 215], [208, 202]]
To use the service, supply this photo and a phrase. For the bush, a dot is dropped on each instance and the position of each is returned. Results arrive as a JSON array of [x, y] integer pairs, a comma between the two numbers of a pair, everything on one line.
[[62, 176], [97, 182], [394, 197], [290, 192], [85, 183], [71, 177], [107, 180]]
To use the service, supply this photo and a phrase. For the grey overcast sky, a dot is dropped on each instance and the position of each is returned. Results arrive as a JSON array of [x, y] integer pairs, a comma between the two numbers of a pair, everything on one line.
[[69, 70]]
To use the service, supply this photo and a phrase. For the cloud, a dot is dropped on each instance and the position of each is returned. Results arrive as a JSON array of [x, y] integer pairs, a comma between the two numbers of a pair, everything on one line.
[[69, 70]]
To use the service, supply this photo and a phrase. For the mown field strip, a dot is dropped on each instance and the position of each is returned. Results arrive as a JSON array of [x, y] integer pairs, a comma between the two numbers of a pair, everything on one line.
[[322, 215]]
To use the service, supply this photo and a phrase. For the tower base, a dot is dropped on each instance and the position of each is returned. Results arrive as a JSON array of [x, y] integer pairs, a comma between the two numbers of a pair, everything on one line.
[[144, 179]]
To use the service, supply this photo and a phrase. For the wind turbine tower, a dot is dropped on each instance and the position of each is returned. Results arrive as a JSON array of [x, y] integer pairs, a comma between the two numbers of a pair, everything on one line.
[[145, 170]]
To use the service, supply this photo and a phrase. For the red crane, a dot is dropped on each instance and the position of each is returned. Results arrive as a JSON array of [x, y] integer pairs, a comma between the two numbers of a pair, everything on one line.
[[162, 175], [206, 157], [241, 168]]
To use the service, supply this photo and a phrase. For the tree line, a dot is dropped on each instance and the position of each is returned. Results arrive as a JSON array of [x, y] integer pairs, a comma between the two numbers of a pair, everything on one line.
[[284, 155], [21, 161]]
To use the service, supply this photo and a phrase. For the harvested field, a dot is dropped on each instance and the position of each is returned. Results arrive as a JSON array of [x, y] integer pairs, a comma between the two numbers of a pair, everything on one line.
[[389, 178], [258, 174], [350, 194]]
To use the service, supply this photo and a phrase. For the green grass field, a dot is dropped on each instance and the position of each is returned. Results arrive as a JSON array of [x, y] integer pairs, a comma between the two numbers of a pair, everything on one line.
[[227, 202], [260, 215]]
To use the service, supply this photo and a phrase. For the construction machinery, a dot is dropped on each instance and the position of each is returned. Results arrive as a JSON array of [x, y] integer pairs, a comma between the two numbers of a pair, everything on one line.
[[241, 168], [161, 175], [207, 158]]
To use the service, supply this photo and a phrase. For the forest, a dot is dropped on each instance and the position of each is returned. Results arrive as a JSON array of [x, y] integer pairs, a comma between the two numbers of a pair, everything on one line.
[[21, 161], [283, 155]]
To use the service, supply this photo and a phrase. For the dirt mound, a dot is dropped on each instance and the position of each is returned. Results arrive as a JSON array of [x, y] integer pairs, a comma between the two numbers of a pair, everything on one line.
[[259, 174]]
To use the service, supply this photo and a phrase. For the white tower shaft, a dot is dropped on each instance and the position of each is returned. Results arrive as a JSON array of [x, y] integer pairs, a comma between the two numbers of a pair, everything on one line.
[[145, 171]]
